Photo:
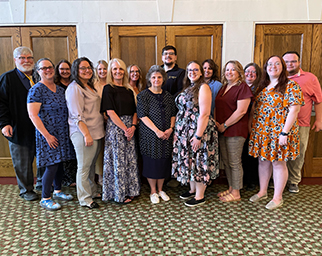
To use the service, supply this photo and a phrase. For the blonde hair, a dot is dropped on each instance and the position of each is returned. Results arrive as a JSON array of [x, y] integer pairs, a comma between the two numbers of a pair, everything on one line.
[[104, 63], [125, 80], [239, 69], [139, 83]]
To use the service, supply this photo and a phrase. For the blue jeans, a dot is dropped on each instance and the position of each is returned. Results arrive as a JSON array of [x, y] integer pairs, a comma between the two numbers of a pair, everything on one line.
[[22, 159]]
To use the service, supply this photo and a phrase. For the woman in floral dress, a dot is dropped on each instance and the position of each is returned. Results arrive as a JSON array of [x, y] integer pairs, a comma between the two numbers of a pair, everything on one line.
[[120, 171], [274, 137], [195, 145]]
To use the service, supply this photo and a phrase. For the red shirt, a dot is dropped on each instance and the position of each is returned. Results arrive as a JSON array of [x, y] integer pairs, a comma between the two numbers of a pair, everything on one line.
[[226, 104]]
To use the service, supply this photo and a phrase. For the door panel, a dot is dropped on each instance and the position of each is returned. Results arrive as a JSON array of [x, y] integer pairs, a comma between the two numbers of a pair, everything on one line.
[[277, 39], [140, 45], [195, 43], [307, 40], [55, 43], [313, 158]]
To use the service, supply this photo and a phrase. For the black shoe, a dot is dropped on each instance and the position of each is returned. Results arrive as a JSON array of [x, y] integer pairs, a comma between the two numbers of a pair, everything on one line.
[[30, 196], [194, 202], [92, 205], [187, 195], [251, 187]]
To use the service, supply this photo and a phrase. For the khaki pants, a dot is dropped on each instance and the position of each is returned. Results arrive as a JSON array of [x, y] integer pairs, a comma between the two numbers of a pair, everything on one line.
[[295, 166]]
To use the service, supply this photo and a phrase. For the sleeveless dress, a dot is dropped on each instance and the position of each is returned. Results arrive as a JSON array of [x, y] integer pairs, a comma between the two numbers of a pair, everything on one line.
[[270, 114], [187, 165]]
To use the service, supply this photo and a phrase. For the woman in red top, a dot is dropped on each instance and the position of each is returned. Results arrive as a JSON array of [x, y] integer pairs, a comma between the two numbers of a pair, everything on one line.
[[232, 103]]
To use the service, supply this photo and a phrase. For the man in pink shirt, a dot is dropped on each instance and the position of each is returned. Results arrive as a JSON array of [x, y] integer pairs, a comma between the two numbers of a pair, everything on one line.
[[312, 93]]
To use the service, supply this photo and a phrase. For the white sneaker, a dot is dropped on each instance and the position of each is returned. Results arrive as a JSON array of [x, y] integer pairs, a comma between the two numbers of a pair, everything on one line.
[[155, 198], [164, 196]]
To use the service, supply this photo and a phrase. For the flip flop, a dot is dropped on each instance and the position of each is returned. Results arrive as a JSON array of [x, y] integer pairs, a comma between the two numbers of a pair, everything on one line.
[[221, 194], [229, 198], [128, 199]]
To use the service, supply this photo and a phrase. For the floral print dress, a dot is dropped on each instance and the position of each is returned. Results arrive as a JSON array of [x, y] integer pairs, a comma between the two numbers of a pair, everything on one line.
[[270, 114], [187, 165]]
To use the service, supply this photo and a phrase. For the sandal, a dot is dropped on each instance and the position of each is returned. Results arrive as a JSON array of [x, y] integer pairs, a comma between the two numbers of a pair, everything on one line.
[[127, 200], [229, 198], [224, 193]]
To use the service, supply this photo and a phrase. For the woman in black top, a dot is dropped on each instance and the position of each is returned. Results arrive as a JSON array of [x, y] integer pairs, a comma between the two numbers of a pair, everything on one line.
[[120, 171]]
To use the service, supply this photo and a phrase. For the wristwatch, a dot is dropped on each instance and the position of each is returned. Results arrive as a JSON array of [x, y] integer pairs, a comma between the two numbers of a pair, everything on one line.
[[197, 137], [284, 133], [225, 126]]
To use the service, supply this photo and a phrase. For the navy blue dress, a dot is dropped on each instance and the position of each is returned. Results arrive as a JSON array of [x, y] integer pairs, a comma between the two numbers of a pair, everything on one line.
[[54, 115]]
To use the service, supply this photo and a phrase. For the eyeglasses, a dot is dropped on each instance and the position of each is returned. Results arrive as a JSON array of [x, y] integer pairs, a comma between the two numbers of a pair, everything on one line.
[[168, 53], [291, 61], [250, 71], [135, 71], [271, 64], [85, 68], [193, 70], [25, 58], [46, 68], [64, 69]]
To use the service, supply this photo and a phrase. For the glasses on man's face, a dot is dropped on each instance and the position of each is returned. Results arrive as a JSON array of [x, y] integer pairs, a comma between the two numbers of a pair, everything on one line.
[[291, 61], [64, 69], [193, 70], [250, 71], [271, 64], [168, 53], [26, 58], [46, 68], [85, 68]]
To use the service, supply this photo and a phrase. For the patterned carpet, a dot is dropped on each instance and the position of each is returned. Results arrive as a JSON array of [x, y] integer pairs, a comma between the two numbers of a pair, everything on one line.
[[169, 228]]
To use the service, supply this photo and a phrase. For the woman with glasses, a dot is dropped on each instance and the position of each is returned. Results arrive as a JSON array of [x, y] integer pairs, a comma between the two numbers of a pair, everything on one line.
[[195, 142], [232, 103], [253, 75], [86, 128], [62, 78], [274, 137], [135, 78], [48, 111], [120, 172]]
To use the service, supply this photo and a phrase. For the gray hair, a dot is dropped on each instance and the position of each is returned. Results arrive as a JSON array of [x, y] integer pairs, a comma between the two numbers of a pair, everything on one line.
[[153, 69], [22, 50]]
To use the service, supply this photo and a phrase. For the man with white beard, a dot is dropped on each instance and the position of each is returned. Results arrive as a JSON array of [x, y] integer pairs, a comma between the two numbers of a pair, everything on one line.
[[15, 123]]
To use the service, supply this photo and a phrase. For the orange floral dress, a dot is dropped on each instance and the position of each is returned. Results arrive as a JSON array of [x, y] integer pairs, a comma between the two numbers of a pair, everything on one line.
[[270, 114]]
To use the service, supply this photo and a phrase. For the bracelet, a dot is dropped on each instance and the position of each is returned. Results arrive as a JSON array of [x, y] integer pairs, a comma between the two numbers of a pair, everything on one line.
[[197, 137], [225, 126], [284, 133], [135, 125], [172, 128]]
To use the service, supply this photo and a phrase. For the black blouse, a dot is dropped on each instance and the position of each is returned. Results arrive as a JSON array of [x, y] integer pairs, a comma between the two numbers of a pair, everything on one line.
[[119, 99]]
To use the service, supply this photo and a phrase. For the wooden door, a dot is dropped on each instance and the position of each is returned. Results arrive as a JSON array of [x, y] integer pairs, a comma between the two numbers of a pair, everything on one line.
[[195, 43], [313, 159], [307, 41], [55, 43], [142, 45]]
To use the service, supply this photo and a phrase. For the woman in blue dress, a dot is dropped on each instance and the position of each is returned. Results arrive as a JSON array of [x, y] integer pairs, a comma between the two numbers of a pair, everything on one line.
[[120, 172], [48, 111]]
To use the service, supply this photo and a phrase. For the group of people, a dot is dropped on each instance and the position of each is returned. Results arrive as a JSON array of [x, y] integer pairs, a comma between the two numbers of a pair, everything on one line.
[[184, 121]]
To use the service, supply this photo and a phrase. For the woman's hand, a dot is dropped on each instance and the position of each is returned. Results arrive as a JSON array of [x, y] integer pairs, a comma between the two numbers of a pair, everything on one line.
[[52, 141], [282, 140], [195, 144], [160, 134], [221, 128], [167, 133], [88, 140], [129, 132]]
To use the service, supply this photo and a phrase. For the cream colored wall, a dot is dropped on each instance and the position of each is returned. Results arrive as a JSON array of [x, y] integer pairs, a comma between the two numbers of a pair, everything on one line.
[[92, 18]]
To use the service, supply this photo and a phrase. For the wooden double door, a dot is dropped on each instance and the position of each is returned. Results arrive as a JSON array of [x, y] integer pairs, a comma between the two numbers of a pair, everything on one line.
[[53, 42], [306, 39], [142, 45]]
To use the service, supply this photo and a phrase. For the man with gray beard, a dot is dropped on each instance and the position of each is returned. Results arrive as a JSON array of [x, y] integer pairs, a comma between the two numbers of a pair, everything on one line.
[[14, 120]]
